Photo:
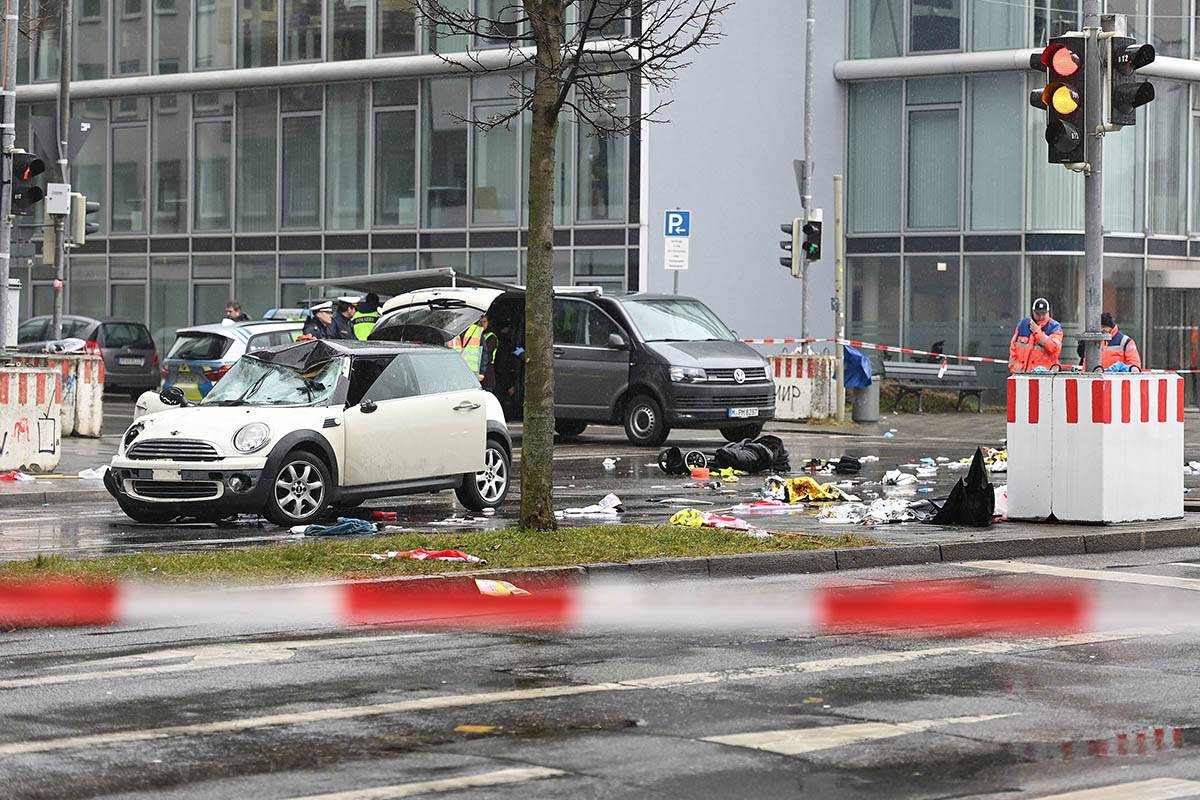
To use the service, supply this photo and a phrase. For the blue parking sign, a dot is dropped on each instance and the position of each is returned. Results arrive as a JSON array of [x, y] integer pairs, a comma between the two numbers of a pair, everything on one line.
[[678, 223]]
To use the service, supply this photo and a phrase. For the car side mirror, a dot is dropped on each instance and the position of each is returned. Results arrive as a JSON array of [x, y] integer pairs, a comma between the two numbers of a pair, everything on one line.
[[617, 342], [367, 406], [173, 396]]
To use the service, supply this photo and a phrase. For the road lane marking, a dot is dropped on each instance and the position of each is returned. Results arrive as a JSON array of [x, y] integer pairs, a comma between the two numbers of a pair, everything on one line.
[[200, 657], [1156, 789], [1024, 567], [679, 680], [497, 778], [823, 737]]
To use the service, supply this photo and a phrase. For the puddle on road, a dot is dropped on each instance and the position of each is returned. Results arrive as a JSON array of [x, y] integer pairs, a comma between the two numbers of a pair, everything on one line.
[[1134, 743]]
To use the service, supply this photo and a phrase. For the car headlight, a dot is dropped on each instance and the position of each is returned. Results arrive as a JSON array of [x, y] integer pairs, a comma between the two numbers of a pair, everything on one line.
[[688, 375], [134, 430], [252, 437]]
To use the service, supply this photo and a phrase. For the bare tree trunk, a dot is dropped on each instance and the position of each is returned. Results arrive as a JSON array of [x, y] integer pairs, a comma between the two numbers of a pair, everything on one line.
[[537, 443]]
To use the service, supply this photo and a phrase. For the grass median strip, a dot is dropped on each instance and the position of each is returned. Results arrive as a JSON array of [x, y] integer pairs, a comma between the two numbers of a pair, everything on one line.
[[505, 549]]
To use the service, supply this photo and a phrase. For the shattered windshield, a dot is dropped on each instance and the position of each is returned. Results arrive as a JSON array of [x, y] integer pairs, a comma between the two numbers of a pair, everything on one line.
[[676, 321], [255, 383], [435, 322]]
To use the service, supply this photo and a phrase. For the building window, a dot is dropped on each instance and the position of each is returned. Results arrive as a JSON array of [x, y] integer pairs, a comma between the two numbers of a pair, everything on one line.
[[440, 38], [997, 109], [257, 137], [214, 167], [1171, 27], [260, 34], [214, 34], [254, 283], [496, 152], [1135, 15], [444, 167], [88, 286], [1055, 196], [876, 28], [499, 22], [498, 265], [169, 183], [345, 178], [1054, 18], [1059, 279], [936, 25], [1123, 292], [301, 171], [998, 26], [128, 301], [172, 22], [128, 173], [338, 265], [874, 181], [348, 38], [88, 170], [91, 40], [395, 153], [301, 30], [168, 299], [1124, 179], [208, 302], [601, 168], [931, 302], [603, 268], [45, 41], [992, 292], [393, 262], [933, 174], [130, 37], [1168, 157], [873, 299], [396, 27]]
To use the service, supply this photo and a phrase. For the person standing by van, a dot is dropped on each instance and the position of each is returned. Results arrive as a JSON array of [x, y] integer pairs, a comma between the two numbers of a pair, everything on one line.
[[477, 346]]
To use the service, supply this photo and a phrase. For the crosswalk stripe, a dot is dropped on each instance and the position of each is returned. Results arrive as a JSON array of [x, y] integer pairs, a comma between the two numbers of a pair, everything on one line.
[[1156, 789], [497, 778], [823, 737], [485, 698], [1024, 567]]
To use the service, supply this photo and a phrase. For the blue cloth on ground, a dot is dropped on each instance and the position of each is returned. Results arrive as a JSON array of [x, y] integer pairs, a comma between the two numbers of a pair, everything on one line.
[[857, 368], [345, 526]]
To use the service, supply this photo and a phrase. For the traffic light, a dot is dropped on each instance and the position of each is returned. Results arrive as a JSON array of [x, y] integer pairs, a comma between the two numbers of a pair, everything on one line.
[[792, 246], [80, 227], [812, 235], [25, 167], [1126, 93], [1063, 98]]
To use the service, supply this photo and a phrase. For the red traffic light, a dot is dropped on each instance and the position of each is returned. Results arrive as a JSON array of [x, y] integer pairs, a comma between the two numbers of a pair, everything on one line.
[[1060, 60]]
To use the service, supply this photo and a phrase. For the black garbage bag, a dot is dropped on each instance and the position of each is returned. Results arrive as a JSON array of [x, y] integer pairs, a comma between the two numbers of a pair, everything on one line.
[[764, 454], [847, 465], [972, 501]]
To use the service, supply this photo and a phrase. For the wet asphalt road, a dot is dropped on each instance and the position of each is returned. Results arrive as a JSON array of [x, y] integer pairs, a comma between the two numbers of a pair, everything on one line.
[[274, 714]]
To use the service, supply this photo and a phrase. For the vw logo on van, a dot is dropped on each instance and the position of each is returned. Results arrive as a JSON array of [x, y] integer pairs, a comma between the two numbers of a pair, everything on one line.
[[739, 375]]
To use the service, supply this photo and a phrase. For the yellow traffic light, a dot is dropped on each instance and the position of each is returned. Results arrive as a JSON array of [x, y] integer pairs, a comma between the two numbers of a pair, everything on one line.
[[1064, 101]]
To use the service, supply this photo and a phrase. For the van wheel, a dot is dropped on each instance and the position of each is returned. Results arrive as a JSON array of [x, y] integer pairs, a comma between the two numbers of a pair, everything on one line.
[[298, 490], [645, 423], [735, 433], [569, 427], [488, 487]]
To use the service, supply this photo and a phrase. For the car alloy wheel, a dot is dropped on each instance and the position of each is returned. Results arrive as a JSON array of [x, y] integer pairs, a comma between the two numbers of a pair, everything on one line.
[[299, 490], [492, 480]]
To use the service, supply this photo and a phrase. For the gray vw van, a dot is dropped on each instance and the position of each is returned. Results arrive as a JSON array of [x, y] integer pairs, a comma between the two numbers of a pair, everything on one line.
[[650, 362]]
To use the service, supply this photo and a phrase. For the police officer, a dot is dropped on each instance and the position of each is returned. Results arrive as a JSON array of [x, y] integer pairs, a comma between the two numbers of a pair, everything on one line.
[[1037, 341], [346, 306], [470, 345], [320, 325], [365, 318], [1118, 348]]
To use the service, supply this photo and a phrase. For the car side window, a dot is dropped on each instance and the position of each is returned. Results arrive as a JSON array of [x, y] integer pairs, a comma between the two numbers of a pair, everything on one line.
[[123, 334], [395, 380], [265, 340], [441, 371], [74, 328], [599, 327], [33, 330], [570, 322]]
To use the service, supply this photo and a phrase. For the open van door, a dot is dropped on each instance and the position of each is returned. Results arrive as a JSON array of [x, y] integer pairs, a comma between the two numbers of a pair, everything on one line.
[[432, 316]]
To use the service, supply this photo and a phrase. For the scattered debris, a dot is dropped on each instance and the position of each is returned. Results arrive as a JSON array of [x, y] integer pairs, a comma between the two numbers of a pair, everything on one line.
[[610, 463], [880, 512], [894, 477], [476, 728], [609, 506], [421, 554], [384, 516], [802, 490], [345, 526], [972, 500], [19, 477], [94, 473], [493, 588]]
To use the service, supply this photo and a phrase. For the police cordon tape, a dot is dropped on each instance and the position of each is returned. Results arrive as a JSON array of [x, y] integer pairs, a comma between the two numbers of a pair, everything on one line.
[[889, 348], [958, 608]]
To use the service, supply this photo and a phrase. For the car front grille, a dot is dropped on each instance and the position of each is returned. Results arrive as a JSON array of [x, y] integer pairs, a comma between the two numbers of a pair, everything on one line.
[[176, 490], [753, 375], [726, 399], [173, 450]]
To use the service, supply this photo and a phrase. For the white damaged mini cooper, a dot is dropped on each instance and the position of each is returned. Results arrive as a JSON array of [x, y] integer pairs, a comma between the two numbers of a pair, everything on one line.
[[292, 431]]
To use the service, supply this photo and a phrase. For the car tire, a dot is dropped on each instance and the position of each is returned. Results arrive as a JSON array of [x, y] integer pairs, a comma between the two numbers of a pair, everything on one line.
[[145, 513], [568, 428], [488, 487], [299, 491], [735, 433], [645, 423]]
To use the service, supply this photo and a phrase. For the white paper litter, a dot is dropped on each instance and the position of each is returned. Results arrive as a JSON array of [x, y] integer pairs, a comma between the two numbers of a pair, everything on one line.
[[1001, 510], [877, 513], [94, 474], [867, 459], [610, 463], [607, 507], [895, 477], [927, 472]]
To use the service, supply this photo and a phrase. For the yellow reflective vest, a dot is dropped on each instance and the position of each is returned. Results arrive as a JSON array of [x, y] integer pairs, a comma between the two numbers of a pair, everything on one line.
[[470, 346]]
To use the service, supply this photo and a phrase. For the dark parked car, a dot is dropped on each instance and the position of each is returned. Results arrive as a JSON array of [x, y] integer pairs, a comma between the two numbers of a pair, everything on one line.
[[130, 358]]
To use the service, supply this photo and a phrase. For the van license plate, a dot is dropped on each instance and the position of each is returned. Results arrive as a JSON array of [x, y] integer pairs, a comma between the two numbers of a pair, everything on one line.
[[742, 413], [165, 474], [132, 362]]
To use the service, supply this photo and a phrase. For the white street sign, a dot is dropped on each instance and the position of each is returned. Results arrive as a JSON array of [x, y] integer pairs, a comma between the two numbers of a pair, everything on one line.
[[677, 231]]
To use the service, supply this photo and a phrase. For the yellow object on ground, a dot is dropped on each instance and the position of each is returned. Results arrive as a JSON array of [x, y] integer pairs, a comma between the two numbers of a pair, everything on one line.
[[498, 588], [688, 518]]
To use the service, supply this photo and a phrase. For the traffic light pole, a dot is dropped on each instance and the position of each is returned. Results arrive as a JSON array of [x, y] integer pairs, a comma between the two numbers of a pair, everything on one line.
[[8, 140], [839, 288], [810, 24], [1093, 187], [66, 62]]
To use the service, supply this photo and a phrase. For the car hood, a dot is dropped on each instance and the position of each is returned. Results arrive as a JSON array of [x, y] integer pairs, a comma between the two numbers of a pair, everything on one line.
[[707, 354], [218, 424]]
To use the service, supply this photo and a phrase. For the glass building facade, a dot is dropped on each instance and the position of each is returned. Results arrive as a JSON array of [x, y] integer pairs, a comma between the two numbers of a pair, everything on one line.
[[251, 191], [956, 222]]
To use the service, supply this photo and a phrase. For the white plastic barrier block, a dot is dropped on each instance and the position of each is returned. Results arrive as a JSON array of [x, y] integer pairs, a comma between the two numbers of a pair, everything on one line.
[[1030, 484], [89, 395], [66, 364], [805, 386], [1097, 448], [30, 406]]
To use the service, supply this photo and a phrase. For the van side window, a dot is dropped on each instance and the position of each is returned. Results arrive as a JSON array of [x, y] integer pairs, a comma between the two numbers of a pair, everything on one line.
[[582, 324]]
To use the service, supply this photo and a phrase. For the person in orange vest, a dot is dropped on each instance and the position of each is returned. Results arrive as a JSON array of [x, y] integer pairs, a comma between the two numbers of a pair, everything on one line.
[[1118, 348], [1037, 341]]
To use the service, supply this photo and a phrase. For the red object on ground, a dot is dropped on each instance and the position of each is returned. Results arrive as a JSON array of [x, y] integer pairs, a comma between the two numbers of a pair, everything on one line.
[[383, 516]]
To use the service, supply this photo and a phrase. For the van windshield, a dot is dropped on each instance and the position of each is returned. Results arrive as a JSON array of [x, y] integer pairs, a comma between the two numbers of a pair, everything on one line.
[[256, 383], [670, 320], [435, 322]]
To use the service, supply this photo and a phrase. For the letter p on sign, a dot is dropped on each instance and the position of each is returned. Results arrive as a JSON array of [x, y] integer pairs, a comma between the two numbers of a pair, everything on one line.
[[679, 223]]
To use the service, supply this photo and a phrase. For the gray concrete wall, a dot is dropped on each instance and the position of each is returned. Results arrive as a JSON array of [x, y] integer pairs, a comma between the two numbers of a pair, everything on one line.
[[735, 124]]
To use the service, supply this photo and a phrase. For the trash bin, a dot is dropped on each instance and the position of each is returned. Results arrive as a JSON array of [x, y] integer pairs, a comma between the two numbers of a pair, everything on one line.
[[866, 403]]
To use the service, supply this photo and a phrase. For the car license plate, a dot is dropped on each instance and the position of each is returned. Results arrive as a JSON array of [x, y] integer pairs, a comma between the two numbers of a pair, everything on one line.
[[742, 413], [165, 474], [132, 362]]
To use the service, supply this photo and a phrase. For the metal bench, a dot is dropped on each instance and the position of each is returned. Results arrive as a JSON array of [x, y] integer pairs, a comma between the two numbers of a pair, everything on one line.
[[913, 378]]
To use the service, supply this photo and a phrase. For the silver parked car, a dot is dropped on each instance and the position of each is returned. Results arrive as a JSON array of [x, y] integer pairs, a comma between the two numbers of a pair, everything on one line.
[[130, 357]]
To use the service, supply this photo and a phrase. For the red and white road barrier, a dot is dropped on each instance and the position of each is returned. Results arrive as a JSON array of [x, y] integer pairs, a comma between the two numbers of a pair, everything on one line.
[[884, 348], [805, 386], [30, 400], [82, 389], [1034, 608]]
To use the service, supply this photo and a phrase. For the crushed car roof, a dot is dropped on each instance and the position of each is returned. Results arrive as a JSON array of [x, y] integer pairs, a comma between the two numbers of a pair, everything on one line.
[[304, 356]]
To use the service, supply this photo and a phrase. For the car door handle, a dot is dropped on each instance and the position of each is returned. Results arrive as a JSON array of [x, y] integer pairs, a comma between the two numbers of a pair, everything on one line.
[[467, 405], [558, 352]]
